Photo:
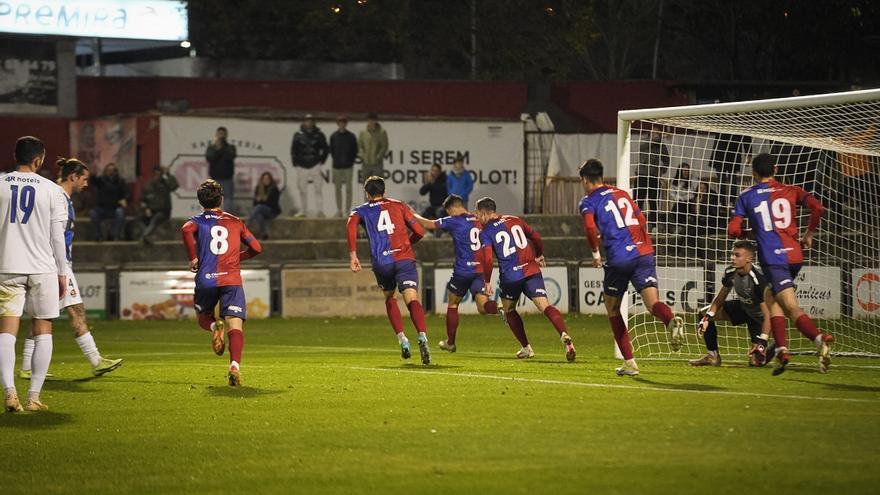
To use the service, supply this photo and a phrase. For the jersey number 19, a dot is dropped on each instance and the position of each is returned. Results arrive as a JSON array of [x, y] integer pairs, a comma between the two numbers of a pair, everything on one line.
[[25, 202]]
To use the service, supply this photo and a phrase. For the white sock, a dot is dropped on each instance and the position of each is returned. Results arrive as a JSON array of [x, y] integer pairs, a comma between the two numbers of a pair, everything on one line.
[[234, 364], [818, 340], [27, 353], [89, 348], [713, 353], [401, 337], [42, 358], [7, 360], [213, 326], [423, 337], [764, 337]]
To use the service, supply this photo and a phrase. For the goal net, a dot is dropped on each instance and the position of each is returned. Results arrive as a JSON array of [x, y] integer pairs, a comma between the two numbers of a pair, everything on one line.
[[685, 167]]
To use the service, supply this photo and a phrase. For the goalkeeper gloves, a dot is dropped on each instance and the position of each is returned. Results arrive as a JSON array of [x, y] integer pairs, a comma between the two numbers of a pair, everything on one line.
[[704, 323]]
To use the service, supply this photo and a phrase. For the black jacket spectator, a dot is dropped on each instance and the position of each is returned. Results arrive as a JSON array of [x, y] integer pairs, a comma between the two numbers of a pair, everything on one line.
[[309, 147], [111, 189], [268, 196], [221, 161], [436, 190], [343, 148]]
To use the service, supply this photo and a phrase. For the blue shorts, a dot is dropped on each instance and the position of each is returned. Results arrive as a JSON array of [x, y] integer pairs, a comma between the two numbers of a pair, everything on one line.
[[231, 298], [461, 284], [781, 277], [642, 272], [400, 274], [532, 287]]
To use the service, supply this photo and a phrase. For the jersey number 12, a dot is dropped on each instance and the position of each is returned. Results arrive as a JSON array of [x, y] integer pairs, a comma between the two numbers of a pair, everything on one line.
[[626, 207]]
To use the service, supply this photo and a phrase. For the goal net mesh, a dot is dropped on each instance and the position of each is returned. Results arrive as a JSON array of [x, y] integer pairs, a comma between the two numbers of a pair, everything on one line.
[[686, 172]]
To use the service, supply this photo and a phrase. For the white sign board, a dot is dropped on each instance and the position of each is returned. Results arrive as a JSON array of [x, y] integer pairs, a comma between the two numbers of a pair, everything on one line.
[[590, 291], [492, 153], [168, 295], [817, 289], [682, 288], [555, 281], [93, 289], [866, 293], [130, 19]]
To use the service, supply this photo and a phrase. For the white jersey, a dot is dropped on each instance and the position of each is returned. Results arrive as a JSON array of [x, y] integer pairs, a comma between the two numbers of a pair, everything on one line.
[[29, 206]]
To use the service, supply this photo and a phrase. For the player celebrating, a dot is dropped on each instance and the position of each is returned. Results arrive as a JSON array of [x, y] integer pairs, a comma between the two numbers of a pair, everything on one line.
[[748, 283], [520, 254], [611, 213], [771, 208], [391, 229], [471, 260], [214, 243], [73, 177], [32, 265]]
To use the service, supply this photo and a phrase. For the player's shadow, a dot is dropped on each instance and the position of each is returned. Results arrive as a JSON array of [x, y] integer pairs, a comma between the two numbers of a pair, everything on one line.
[[700, 387], [241, 392], [74, 385], [847, 387], [34, 420]]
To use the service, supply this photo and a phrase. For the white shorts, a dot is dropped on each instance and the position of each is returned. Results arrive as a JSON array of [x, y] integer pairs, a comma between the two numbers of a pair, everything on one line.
[[72, 297], [35, 294]]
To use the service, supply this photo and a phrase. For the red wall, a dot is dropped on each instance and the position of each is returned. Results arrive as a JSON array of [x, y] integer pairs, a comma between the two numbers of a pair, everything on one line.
[[596, 103], [54, 132]]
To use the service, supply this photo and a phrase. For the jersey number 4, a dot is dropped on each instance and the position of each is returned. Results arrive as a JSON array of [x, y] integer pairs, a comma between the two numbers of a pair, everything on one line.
[[628, 218], [781, 210], [385, 224], [519, 239], [25, 201]]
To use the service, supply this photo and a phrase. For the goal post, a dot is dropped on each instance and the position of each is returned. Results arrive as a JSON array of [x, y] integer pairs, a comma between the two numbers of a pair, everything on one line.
[[685, 166]]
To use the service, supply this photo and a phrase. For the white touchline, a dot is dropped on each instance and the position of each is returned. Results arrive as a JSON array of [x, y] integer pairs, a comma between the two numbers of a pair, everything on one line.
[[608, 385]]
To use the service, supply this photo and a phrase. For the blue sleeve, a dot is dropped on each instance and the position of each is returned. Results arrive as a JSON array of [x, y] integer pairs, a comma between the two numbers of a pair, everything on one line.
[[586, 206], [740, 209], [443, 223]]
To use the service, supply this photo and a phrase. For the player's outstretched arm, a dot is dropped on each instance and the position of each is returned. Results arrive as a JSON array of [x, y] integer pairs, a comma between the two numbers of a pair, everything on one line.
[[415, 228], [424, 222]]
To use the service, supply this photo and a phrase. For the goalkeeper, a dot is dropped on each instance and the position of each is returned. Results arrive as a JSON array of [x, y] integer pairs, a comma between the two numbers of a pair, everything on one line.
[[748, 283]]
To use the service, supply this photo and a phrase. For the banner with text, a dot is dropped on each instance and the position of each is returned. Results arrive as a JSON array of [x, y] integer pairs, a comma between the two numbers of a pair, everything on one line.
[[590, 292], [333, 292], [866, 293], [817, 289], [93, 289], [492, 153], [28, 76], [555, 282], [168, 295]]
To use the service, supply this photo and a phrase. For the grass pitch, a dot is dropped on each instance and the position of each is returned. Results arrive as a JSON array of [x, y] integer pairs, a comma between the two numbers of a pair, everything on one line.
[[328, 406]]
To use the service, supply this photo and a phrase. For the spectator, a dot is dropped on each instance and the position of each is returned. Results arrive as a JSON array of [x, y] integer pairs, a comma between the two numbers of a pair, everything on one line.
[[266, 205], [156, 202], [460, 181], [435, 188], [731, 151], [221, 166], [372, 147], [682, 192], [308, 151], [343, 149], [112, 198], [653, 164]]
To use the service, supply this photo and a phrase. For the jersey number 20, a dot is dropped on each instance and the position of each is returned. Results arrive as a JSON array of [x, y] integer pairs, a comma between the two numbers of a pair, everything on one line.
[[25, 202], [519, 239]]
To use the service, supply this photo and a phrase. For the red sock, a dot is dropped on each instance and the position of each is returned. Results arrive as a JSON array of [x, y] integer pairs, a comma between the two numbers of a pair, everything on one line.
[[778, 327], [205, 320], [663, 312], [491, 307], [516, 326], [618, 326], [394, 314], [805, 324], [451, 324], [236, 345], [555, 318], [417, 315]]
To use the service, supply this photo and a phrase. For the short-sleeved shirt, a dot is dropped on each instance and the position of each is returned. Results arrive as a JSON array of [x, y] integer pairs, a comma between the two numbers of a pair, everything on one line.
[[771, 208], [219, 237], [387, 223], [465, 231], [29, 205], [749, 289], [617, 218], [509, 238]]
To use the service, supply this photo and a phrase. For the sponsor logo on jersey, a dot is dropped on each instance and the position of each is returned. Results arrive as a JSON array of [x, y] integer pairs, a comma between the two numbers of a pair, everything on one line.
[[410, 283], [520, 267], [237, 309], [541, 291], [214, 275], [786, 281], [651, 279], [782, 250], [630, 247], [390, 251]]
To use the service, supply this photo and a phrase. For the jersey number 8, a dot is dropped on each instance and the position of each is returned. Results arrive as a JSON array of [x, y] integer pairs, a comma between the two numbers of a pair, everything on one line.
[[219, 243]]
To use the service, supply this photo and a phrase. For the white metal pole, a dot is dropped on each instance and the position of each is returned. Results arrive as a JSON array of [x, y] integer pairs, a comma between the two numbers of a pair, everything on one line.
[[623, 167]]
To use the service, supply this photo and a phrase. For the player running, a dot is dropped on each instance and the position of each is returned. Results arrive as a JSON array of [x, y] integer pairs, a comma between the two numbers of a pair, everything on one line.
[[771, 208], [214, 242], [520, 254], [73, 177], [391, 230], [611, 213], [471, 260], [33, 268], [748, 283]]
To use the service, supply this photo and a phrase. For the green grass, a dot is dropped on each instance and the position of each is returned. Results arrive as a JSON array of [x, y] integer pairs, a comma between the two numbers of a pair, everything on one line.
[[328, 406]]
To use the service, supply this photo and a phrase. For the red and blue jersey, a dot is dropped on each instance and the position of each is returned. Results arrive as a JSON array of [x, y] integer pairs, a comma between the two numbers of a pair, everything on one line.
[[391, 228], [216, 239], [465, 231], [515, 244], [611, 214], [771, 208]]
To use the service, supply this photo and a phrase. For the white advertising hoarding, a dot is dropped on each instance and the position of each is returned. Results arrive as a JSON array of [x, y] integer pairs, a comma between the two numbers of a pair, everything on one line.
[[93, 290], [168, 295], [492, 153], [555, 281], [592, 298], [129, 19], [817, 289]]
